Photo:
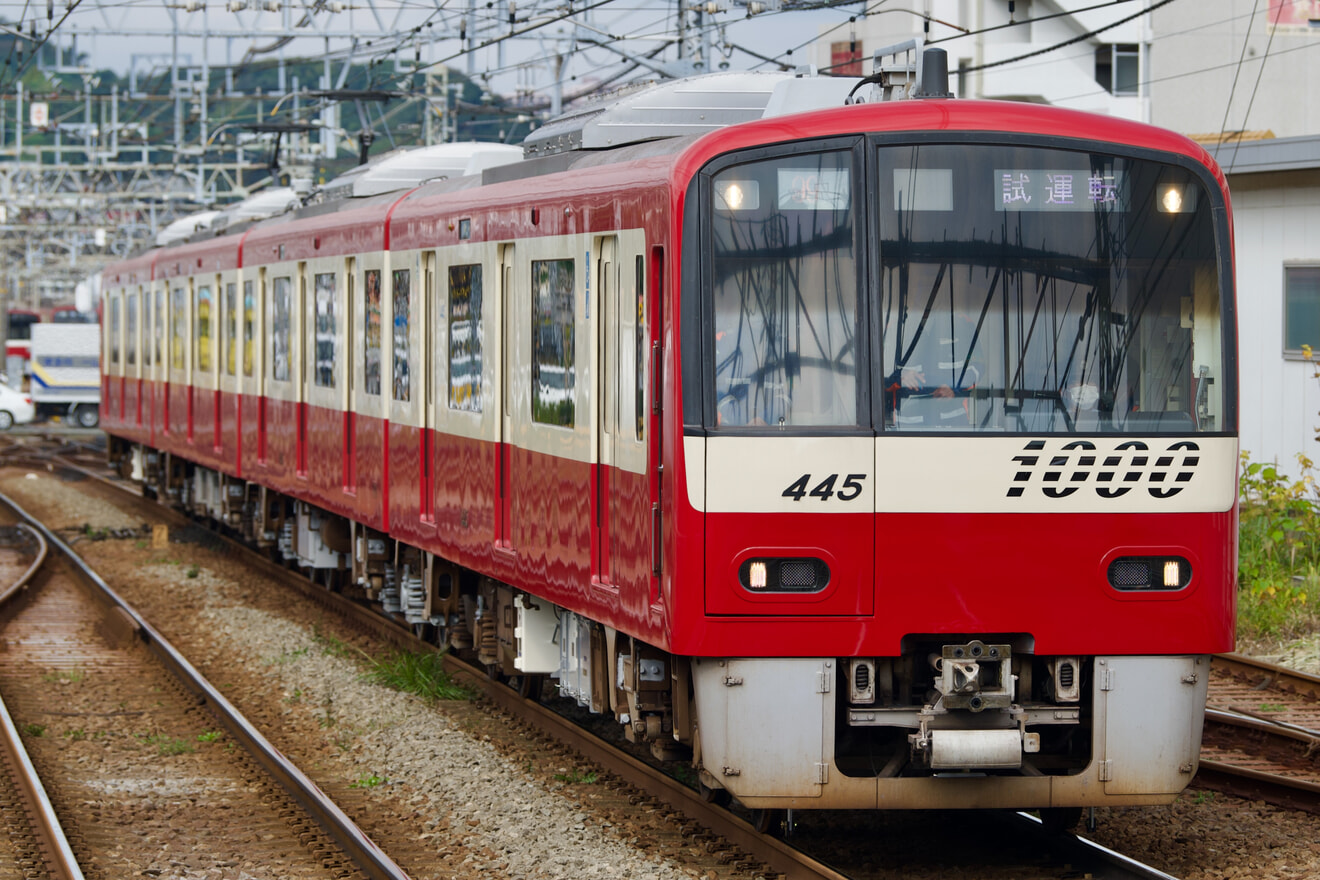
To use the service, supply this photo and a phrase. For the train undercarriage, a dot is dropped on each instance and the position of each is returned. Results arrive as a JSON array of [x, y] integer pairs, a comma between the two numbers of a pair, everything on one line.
[[926, 729]]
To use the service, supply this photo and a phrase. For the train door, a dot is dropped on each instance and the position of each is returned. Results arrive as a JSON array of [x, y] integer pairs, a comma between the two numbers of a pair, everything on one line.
[[261, 368], [508, 363], [428, 308], [607, 404], [304, 377]]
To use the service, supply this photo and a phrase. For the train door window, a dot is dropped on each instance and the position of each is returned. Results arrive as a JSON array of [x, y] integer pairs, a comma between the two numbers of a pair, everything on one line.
[[231, 329], [554, 371], [639, 353], [784, 278], [131, 329], [179, 337], [465, 300], [325, 329], [402, 383], [158, 322], [371, 343], [351, 309], [249, 329], [205, 312], [115, 327], [281, 320]]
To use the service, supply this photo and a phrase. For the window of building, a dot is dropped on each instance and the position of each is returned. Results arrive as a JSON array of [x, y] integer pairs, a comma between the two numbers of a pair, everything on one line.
[[553, 359], [402, 304], [325, 330], [204, 329], [281, 359], [1118, 68], [371, 345], [465, 297], [1301, 311]]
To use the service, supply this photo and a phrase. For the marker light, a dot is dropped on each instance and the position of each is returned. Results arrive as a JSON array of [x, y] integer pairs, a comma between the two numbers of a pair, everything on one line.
[[1149, 573], [756, 575], [784, 574], [1172, 577]]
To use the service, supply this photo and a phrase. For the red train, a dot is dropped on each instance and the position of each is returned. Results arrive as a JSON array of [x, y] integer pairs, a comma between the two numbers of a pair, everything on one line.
[[875, 456]]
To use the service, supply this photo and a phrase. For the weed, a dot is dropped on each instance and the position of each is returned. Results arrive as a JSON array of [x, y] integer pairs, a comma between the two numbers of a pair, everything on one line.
[[421, 674], [1273, 707], [289, 656], [1204, 797], [1278, 552], [209, 736], [194, 570], [34, 729], [344, 740], [576, 777], [75, 735], [295, 697], [336, 647], [141, 545], [72, 676], [166, 744], [369, 781]]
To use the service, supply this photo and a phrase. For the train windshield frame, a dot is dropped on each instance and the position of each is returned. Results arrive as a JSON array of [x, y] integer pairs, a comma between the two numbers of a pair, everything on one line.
[[1013, 284]]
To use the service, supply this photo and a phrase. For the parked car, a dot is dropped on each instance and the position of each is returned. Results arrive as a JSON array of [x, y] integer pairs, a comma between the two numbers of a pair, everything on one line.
[[15, 408]]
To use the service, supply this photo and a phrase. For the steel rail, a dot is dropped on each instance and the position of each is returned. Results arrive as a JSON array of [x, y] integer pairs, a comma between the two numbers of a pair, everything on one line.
[[1269, 673], [359, 848], [55, 848], [1285, 791], [1087, 856]]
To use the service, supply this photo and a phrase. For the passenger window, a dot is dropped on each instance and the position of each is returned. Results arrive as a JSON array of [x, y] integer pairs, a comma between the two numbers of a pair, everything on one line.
[[402, 303], [465, 298], [231, 327], [132, 322], [281, 359], [325, 330], [372, 343], [249, 327], [204, 329], [180, 328], [114, 328], [553, 360]]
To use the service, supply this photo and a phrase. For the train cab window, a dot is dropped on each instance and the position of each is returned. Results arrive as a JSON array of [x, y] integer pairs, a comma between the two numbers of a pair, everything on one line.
[[179, 329], [249, 327], [231, 328], [402, 383], [784, 292], [554, 370], [465, 366], [281, 357], [131, 325], [372, 341], [1036, 290], [204, 327], [326, 329]]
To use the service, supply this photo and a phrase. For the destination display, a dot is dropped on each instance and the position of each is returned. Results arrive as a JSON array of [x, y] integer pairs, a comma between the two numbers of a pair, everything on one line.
[[1051, 190]]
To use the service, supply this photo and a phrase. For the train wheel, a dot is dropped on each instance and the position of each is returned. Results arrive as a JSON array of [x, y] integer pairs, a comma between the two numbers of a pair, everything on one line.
[[529, 686], [769, 821], [720, 797], [1060, 820]]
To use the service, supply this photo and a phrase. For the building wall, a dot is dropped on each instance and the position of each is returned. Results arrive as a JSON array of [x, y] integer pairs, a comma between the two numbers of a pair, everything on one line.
[[1194, 58], [1276, 220]]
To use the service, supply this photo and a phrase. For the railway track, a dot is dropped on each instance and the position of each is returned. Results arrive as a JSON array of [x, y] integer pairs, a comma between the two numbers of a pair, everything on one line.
[[1262, 733], [723, 843], [137, 750]]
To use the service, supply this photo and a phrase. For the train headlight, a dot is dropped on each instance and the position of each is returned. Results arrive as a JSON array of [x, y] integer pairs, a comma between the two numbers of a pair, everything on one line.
[[1149, 573], [1176, 198], [737, 195], [784, 575]]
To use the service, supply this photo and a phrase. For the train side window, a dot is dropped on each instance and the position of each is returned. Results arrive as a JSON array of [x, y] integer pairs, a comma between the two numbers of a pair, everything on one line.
[[325, 329], [249, 327], [204, 309], [231, 328], [179, 329], [640, 353], [114, 328], [281, 320], [130, 348], [158, 322], [372, 341], [465, 299], [554, 370], [402, 318]]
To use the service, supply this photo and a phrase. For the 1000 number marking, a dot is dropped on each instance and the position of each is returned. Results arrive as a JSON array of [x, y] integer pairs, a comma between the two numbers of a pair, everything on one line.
[[824, 490]]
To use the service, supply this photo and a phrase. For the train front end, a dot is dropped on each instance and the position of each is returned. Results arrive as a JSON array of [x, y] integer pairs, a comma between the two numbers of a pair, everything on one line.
[[959, 453]]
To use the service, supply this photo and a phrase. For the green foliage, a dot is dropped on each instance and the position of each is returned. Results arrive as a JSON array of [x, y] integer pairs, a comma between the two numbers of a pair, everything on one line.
[[166, 744], [369, 781], [72, 676], [75, 735], [34, 729], [422, 674], [577, 777], [209, 736], [194, 570], [1278, 552]]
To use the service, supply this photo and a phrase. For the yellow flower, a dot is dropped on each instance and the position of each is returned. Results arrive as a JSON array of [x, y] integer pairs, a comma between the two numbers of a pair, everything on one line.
[[1306, 352]]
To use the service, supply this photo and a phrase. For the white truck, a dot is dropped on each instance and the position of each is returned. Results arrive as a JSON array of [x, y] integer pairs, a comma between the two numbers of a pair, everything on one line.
[[66, 372]]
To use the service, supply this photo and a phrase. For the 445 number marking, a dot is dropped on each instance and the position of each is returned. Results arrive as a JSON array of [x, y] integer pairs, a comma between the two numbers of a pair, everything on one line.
[[824, 490]]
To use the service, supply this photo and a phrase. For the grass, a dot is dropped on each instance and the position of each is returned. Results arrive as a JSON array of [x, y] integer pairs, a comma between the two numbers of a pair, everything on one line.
[[368, 781], [34, 730], [72, 676], [577, 777], [209, 736], [421, 674], [166, 744], [1278, 554]]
